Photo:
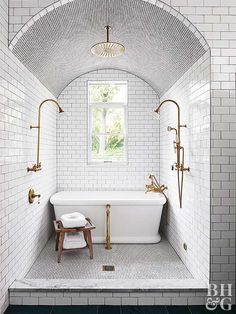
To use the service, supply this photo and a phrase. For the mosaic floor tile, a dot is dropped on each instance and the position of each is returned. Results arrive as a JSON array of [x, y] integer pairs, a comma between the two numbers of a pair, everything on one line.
[[131, 261]]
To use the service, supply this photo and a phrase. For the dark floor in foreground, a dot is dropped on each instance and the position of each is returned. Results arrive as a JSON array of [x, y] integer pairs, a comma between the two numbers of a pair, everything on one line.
[[105, 309]]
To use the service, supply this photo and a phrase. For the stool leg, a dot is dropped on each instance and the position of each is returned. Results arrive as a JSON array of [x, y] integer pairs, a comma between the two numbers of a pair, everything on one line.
[[60, 246], [90, 244], [85, 237], [57, 240]]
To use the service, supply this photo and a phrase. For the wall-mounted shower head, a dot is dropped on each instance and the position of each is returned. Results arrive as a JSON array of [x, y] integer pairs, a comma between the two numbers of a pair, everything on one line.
[[157, 110], [169, 128], [155, 115], [60, 109]]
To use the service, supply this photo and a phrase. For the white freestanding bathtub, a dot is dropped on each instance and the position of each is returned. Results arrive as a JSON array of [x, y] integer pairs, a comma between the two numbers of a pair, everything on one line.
[[135, 215]]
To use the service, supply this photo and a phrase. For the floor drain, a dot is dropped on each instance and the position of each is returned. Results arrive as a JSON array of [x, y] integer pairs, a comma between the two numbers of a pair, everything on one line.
[[108, 268]]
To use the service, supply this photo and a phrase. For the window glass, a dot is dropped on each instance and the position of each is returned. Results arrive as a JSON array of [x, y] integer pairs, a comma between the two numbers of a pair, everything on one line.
[[107, 116]]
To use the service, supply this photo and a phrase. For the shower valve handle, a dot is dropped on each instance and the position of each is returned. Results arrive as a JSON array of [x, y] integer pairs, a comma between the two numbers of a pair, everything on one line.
[[32, 196], [174, 167]]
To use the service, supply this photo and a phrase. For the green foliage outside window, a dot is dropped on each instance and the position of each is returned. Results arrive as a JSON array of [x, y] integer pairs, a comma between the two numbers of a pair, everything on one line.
[[107, 123]]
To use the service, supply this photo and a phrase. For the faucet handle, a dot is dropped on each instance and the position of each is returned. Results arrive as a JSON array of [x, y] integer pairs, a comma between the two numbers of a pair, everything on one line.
[[163, 187], [32, 196], [35, 168]]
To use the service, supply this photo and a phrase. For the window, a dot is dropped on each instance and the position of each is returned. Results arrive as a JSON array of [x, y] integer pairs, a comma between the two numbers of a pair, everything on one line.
[[107, 103]]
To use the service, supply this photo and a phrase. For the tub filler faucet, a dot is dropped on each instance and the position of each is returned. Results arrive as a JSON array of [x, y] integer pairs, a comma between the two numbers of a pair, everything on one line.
[[154, 186], [108, 227]]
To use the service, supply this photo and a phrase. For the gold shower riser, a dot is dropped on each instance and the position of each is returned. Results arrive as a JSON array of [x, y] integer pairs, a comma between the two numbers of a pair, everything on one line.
[[37, 167], [179, 165]]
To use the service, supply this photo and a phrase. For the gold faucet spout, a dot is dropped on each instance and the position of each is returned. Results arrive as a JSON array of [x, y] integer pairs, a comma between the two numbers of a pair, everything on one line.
[[154, 186]]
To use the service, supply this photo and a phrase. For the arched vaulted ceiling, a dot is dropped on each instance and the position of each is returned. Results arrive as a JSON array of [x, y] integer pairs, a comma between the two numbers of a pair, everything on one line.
[[159, 46]]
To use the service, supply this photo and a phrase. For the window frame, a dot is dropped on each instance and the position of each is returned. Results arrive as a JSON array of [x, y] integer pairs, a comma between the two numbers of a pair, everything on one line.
[[123, 105]]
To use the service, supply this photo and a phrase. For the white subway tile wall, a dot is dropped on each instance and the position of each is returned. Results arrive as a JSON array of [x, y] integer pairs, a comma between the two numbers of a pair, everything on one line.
[[191, 223], [108, 298], [24, 228], [74, 172]]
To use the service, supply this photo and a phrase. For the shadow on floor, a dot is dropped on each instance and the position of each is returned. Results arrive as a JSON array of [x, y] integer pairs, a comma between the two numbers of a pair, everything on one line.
[[106, 309]]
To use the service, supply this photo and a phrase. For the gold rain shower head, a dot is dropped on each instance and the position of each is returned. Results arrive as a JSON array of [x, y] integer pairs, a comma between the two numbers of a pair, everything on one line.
[[108, 49], [37, 166]]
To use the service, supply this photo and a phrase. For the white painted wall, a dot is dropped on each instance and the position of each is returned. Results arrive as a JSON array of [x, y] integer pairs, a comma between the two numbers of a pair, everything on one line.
[[74, 172], [191, 223], [24, 228]]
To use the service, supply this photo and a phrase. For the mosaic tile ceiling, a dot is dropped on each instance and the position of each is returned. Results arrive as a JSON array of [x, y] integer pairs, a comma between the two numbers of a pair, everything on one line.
[[159, 47]]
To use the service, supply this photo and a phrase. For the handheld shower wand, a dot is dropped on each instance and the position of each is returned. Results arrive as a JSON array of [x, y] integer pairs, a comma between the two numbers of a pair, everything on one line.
[[169, 129]]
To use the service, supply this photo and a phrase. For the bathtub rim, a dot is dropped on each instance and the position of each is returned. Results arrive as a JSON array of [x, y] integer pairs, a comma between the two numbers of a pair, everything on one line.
[[136, 197]]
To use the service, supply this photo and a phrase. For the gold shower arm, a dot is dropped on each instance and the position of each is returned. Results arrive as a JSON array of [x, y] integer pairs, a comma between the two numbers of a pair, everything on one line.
[[157, 110], [37, 166]]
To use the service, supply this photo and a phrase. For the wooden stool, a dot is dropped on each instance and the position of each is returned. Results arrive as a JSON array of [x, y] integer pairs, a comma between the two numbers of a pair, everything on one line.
[[60, 236]]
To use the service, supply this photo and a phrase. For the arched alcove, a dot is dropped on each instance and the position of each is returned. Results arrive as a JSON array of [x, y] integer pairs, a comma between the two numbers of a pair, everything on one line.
[[168, 53], [161, 44]]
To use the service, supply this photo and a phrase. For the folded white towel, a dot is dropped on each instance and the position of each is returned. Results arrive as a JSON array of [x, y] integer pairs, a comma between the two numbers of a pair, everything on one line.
[[73, 220], [74, 236], [74, 240]]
